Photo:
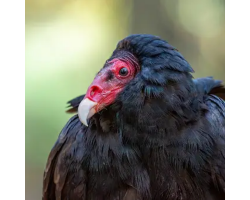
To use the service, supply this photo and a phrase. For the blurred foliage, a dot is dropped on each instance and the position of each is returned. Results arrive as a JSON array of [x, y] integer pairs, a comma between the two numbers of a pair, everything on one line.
[[68, 41]]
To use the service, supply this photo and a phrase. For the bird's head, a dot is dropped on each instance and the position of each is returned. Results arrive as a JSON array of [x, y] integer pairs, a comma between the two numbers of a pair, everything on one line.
[[139, 70]]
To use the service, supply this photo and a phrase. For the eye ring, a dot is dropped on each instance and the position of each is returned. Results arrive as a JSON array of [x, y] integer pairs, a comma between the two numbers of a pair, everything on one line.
[[123, 71]]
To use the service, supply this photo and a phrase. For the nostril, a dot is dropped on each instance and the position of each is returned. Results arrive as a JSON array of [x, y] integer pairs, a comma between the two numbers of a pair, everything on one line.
[[95, 90], [92, 93]]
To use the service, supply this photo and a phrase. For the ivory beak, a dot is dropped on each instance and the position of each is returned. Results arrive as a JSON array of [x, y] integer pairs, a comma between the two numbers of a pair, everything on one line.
[[86, 110]]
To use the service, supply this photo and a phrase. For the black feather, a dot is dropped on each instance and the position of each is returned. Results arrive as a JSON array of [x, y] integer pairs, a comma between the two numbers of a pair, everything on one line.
[[162, 138], [74, 103]]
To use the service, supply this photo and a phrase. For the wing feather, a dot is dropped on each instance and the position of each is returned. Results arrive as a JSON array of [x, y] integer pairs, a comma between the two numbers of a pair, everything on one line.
[[64, 177], [216, 166], [74, 103]]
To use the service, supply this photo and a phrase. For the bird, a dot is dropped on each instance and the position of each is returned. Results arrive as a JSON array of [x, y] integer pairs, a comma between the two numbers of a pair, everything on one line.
[[146, 129]]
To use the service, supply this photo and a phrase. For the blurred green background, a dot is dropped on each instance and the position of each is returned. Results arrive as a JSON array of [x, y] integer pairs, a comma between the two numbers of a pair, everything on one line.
[[68, 41]]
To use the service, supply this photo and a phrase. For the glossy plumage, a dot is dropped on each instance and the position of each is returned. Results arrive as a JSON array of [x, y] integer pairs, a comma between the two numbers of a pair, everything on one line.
[[162, 138]]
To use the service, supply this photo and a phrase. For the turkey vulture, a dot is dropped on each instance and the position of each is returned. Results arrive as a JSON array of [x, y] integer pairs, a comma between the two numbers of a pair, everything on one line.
[[145, 130]]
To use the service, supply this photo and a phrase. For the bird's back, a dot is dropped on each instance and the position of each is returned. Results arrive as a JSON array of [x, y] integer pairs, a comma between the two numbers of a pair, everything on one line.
[[191, 163]]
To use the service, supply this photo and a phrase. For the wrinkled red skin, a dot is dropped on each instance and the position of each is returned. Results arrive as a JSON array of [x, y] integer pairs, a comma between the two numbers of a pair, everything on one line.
[[104, 89]]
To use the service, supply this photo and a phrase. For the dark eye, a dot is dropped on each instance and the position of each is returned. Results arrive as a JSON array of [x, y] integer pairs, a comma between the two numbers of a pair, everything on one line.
[[123, 71]]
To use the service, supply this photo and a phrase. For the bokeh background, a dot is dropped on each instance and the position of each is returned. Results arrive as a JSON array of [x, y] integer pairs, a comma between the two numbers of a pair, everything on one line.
[[68, 41]]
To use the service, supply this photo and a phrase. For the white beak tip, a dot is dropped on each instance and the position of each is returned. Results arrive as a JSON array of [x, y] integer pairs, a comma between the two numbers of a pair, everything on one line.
[[86, 110], [85, 123]]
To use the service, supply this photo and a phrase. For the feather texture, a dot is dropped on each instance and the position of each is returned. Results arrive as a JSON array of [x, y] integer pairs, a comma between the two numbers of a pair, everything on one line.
[[162, 138]]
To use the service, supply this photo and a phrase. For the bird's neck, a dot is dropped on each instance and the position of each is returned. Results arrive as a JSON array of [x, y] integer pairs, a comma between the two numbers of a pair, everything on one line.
[[159, 118], [155, 119]]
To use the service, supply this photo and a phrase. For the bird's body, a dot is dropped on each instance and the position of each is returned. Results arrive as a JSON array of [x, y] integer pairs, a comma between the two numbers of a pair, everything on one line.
[[161, 137]]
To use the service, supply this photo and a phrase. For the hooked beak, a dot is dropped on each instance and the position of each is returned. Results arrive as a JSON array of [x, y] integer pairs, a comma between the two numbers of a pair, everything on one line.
[[86, 109]]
